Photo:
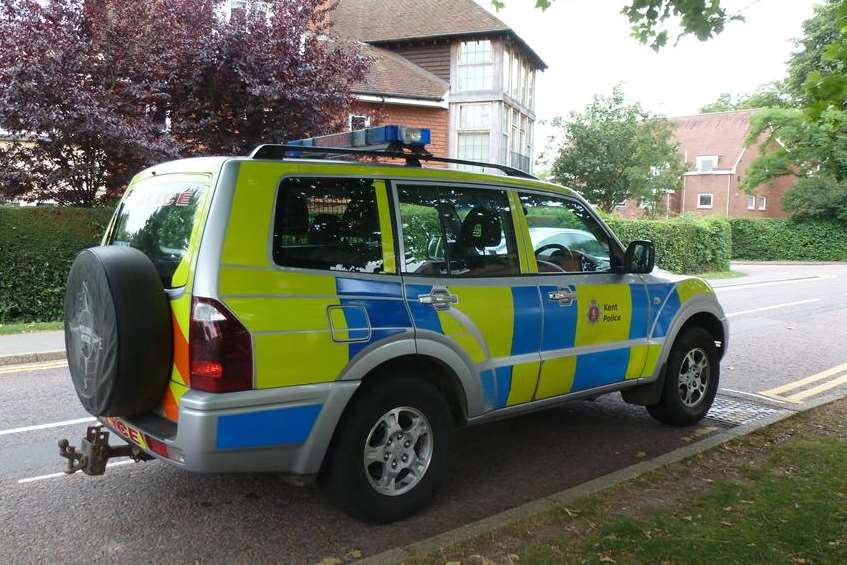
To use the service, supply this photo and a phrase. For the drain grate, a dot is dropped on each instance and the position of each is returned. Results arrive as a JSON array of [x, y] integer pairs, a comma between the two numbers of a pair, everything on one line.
[[738, 412]]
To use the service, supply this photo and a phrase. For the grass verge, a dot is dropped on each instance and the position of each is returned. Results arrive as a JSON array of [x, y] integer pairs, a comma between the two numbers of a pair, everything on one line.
[[776, 496], [7, 329], [722, 275]]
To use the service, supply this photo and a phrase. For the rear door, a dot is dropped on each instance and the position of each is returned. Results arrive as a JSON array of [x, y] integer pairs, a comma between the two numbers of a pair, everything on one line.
[[163, 217], [595, 319], [462, 275]]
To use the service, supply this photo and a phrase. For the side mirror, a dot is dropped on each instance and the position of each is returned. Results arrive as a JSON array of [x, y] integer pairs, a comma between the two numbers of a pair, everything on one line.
[[640, 257]]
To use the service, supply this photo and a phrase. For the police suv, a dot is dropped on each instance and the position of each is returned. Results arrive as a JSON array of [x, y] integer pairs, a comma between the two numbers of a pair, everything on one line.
[[304, 312]]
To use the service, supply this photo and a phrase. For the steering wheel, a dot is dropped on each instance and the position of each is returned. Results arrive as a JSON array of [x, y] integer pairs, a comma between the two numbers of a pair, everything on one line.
[[555, 246]]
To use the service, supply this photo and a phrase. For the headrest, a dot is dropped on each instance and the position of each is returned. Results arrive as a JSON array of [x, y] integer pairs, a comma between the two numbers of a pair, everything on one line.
[[481, 228]]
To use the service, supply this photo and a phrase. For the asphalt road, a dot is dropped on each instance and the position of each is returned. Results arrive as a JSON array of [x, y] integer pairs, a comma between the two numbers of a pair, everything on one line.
[[788, 323]]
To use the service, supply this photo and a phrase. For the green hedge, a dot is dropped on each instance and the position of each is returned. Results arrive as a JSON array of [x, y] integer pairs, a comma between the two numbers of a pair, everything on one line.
[[684, 244], [37, 246], [785, 240]]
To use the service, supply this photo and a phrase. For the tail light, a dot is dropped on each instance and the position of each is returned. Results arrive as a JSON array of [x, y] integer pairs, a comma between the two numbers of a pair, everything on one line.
[[220, 350]]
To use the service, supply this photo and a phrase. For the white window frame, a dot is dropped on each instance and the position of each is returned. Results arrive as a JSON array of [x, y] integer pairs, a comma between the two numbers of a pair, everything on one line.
[[763, 202], [354, 116], [460, 66], [704, 158], [700, 204], [751, 201], [474, 129]]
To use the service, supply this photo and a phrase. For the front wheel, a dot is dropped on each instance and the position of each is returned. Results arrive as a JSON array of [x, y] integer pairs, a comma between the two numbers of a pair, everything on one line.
[[691, 380], [390, 454]]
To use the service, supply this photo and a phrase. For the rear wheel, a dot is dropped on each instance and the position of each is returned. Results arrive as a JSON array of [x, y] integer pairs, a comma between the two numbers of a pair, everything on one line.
[[691, 380], [390, 454]]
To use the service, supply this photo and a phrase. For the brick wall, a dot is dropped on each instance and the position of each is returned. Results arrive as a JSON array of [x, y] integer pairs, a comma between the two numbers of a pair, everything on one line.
[[436, 119]]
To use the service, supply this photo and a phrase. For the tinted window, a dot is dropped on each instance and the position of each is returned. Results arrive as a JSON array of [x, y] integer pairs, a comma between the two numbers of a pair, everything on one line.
[[565, 236], [329, 224], [460, 232], [157, 218]]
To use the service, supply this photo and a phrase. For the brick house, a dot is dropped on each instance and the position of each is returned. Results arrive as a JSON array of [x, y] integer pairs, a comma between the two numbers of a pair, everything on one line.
[[713, 147], [448, 65]]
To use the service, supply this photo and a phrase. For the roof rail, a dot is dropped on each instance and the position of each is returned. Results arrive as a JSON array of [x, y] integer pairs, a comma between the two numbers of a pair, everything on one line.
[[412, 158]]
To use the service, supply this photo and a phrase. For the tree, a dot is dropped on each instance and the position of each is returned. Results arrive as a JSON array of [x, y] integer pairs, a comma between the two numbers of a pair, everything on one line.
[[813, 151], [818, 33], [826, 86], [99, 89], [768, 96], [650, 19], [614, 151]]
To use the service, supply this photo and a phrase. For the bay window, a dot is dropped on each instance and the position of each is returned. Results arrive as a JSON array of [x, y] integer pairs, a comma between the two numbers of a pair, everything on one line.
[[475, 66]]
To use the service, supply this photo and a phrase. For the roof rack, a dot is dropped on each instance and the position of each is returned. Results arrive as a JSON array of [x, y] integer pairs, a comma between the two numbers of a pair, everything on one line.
[[413, 158], [389, 141]]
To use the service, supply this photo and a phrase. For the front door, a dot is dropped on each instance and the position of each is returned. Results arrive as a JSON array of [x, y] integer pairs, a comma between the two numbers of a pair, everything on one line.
[[595, 319], [462, 281]]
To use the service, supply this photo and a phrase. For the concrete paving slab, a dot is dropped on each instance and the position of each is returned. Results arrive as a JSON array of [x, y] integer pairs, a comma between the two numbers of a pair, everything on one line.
[[31, 347]]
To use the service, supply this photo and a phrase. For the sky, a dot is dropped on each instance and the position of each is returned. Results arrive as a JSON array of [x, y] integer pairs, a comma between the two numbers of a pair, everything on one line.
[[588, 48]]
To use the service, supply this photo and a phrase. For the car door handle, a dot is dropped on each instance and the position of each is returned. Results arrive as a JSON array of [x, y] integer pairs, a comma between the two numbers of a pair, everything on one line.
[[563, 296], [440, 298]]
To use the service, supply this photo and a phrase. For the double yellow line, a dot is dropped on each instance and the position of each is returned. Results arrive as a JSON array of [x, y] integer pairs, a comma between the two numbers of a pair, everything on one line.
[[32, 367], [780, 391]]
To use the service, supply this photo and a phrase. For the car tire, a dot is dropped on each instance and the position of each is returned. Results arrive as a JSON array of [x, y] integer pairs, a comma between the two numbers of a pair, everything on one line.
[[364, 490], [691, 379], [118, 331]]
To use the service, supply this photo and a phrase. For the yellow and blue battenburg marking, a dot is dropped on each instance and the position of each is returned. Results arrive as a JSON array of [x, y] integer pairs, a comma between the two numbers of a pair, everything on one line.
[[601, 315]]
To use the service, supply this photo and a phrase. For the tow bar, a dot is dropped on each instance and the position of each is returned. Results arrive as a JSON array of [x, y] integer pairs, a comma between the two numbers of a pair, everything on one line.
[[95, 452]]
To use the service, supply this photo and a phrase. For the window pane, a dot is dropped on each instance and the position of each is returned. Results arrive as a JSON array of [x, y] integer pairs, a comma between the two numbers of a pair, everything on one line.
[[475, 52], [474, 116], [751, 202], [157, 218], [328, 224], [507, 69], [565, 237], [763, 202], [461, 232], [474, 146]]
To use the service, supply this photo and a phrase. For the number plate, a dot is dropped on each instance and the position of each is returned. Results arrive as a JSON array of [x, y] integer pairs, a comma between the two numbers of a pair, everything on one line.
[[127, 432]]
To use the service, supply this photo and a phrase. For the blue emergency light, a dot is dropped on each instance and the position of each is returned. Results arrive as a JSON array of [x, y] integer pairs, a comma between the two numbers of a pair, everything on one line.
[[382, 137]]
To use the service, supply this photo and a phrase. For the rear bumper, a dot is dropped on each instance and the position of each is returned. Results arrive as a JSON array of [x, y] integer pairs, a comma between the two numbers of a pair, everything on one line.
[[284, 430]]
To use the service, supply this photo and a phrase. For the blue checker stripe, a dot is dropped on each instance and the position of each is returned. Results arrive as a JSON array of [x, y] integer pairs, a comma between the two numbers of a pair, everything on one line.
[[266, 428], [559, 322], [640, 321], [424, 315], [368, 287], [667, 315], [526, 335], [599, 369], [496, 384]]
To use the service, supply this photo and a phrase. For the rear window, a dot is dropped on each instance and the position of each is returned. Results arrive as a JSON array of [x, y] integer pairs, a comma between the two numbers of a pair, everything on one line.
[[157, 218]]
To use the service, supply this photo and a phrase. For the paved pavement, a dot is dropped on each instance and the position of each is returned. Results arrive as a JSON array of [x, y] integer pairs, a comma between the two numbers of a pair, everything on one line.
[[788, 323], [33, 342]]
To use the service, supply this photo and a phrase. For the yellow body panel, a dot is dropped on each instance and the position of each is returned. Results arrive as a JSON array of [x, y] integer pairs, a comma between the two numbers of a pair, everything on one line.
[[297, 359], [385, 228], [490, 313], [690, 288], [524, 381], [556, 377], [614, 302]]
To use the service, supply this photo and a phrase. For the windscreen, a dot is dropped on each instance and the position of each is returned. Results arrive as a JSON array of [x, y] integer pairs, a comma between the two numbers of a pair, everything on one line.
[[157, 218]]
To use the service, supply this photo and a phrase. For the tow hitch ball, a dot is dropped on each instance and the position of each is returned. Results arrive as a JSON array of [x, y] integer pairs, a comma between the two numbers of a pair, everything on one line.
[[94, 452]]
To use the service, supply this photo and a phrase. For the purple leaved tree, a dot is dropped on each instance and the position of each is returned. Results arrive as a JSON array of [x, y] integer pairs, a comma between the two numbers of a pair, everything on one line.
[[93, 90]]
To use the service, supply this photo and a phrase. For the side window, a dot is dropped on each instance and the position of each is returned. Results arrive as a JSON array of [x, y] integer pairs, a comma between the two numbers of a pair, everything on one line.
[[565, 236], [458, 232], [330, 224]]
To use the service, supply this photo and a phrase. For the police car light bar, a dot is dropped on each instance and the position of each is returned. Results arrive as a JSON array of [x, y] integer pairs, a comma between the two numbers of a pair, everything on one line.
[[383, 137]]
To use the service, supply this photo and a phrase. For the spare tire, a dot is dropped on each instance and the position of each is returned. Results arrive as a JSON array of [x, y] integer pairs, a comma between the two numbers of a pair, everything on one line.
[[118, 333]]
